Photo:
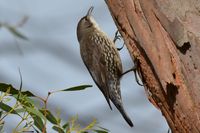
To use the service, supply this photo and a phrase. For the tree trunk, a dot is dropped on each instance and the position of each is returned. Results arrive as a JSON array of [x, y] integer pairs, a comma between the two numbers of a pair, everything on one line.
[[164, 36]]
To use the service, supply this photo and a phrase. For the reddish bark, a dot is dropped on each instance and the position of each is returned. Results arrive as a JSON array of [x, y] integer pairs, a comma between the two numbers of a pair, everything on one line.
[[163, 35]]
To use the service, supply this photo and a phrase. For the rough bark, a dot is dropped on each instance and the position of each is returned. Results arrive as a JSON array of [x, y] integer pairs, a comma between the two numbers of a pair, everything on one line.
[[164, 36]]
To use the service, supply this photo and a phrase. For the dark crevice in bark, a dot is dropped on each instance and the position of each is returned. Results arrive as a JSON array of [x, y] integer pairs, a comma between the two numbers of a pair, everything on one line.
[[174, 75], [183, 49], [172, 91]]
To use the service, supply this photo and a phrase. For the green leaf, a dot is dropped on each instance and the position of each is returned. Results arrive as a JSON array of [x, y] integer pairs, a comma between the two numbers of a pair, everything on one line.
[[66, 125], [7, 108], [77, 88], [1, 127], [15, 32], [37, 122], [20, 110], [49, 116], [35, 112], [101, 131], [27, 93], [58, 129], [102, 128], [1, 112], [24, 100], [4, 87], [29, 101]]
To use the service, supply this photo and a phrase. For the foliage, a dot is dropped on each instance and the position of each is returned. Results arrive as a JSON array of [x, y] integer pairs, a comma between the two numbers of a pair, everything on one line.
[[13, 29], [33, 118], [36, 118]]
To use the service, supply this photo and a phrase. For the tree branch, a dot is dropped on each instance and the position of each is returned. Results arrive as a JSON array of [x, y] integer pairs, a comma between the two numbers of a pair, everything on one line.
[[164, 37]]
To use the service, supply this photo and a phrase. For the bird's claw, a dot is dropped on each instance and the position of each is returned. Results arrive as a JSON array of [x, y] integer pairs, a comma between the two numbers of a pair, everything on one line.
[[118, 37], [134, 69]]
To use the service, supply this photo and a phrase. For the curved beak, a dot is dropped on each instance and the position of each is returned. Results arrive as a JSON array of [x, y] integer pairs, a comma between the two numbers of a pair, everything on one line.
[[90, 11]]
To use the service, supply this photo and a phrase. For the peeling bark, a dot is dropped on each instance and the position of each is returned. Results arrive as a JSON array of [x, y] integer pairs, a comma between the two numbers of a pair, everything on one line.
[[164, 36]]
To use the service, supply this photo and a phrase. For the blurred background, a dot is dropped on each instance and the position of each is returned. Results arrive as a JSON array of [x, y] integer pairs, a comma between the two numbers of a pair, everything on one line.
[[50, 60]]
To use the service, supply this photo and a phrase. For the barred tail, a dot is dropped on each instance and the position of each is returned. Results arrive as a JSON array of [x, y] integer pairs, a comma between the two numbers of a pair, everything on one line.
[[123, 112], [115, 97]]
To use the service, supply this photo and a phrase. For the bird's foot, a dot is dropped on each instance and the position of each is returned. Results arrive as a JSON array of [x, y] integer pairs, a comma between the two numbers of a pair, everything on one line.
[[134, 69], [118, 37]]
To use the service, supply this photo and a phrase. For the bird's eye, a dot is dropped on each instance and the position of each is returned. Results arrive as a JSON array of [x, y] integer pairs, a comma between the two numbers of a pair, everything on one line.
[[86, 19], [86, 22]]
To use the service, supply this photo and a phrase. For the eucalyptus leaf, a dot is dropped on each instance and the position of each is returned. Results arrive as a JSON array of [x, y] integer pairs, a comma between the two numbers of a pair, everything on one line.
[[101, 131], [1, 127], [35, 112], [49, 116], [38, 122], [103, 128], [20, 110], [4, 87], [58, 129], [15, 32], [1, 112], [24, 100], [66, 125], [77, 88], [7, 108]]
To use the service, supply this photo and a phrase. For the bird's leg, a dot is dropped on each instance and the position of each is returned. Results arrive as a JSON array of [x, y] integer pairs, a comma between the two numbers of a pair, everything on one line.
[[120, 48], [118, 37], [134, 69]]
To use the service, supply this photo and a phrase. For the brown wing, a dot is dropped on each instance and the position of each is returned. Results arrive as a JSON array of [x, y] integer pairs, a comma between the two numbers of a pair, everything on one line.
[[114, 58], [118, 61], [93, 59]]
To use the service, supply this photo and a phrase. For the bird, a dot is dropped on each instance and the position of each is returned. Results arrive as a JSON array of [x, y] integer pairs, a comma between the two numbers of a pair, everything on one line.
[[102, 60]]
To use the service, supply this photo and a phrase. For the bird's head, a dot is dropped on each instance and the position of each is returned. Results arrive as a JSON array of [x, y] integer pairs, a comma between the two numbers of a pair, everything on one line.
[[86, 24]]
